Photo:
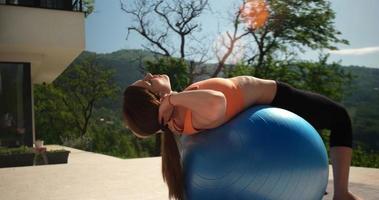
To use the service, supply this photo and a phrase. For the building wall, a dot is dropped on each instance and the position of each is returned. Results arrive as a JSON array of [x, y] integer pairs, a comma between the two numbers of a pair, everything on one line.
[[44, 40], [48, 39]]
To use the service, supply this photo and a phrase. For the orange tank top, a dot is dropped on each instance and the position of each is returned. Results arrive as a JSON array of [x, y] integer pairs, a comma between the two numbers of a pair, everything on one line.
[[233, 95]]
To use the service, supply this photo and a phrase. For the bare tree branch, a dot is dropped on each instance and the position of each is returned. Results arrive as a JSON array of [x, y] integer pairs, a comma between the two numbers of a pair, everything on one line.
[[228, 45], [140, 13], [179, 17]]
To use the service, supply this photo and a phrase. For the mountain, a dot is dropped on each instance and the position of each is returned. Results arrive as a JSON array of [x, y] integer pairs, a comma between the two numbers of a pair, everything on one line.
[[126, 66], [362, 102]]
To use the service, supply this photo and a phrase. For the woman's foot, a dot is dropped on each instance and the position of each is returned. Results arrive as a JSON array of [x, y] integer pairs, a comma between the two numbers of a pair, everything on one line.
[[346, 196]]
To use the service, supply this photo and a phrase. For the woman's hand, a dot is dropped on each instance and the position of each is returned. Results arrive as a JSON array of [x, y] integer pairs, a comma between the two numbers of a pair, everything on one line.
[[165, 109]]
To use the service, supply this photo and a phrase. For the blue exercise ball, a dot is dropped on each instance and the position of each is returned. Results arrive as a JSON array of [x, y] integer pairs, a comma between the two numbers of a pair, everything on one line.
[[262, 153]]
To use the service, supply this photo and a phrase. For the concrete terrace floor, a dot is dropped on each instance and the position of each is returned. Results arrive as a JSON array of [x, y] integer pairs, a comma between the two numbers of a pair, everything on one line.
[[91, 176]]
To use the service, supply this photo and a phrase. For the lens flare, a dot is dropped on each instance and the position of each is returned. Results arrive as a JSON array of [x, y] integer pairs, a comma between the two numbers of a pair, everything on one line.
[[254, 13]]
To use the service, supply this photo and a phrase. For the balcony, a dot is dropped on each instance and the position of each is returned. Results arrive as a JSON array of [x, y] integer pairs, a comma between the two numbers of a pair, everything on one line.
[[69, 5], [49, 39]]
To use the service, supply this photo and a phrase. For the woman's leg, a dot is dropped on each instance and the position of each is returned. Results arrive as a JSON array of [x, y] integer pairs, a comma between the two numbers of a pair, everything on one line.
[[323, 113], [341, 158]]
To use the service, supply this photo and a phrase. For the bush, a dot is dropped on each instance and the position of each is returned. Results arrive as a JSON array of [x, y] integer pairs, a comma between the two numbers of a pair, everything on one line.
[[18, 150]]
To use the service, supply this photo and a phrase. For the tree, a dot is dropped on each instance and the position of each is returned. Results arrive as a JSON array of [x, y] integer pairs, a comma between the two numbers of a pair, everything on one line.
[[228, 44], [89, 6], [163, 22], [295, 24], [328, 79], [86, 6], [52, 120], [292, 26], [109, 136], [178, 18], [83, 85]]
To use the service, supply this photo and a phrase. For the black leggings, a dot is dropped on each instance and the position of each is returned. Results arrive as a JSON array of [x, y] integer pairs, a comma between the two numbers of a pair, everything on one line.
[[318, 110]]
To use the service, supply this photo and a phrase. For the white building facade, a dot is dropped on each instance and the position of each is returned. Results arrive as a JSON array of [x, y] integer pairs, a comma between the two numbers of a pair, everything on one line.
[[38, 40]]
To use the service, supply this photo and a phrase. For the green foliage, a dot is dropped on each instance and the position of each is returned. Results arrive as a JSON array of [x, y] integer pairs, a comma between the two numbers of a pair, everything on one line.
[[88, 7], [120, 142], [362, 156], [239, 69], [109, 136], [362, 100], [293, 26], [79, 142], [175, 68], [365, 158], [328, 79], [84, 84], [61, 106], [308, 23], [17, 150], [63, 109], [127, 66], [53, 120]]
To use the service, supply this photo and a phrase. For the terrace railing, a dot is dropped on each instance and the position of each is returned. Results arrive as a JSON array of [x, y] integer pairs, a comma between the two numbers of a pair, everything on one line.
[[68, 5]]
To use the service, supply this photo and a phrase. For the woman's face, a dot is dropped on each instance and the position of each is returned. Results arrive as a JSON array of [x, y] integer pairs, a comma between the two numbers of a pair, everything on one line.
[[157, 84]]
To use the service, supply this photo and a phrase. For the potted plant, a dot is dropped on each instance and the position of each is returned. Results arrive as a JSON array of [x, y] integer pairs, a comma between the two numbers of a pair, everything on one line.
[[57, 156], [44, 156], [27, 156], [14, 157]]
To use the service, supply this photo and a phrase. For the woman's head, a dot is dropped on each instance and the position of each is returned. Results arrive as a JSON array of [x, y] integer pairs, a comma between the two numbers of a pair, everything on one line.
[[140, 111], [141, 103], [157, 84]]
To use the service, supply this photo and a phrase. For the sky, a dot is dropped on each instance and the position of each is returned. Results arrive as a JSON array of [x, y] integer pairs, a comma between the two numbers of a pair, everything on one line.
[[106, 29]]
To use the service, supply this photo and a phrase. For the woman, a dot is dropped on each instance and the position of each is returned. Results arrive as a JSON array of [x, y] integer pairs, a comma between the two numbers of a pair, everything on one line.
[[151, 107]]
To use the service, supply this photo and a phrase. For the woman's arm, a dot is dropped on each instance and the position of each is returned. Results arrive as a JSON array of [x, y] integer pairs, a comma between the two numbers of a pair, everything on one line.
[[207, 106]]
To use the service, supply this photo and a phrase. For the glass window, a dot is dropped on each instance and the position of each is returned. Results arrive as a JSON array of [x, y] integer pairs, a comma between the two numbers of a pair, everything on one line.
[[15, 105]]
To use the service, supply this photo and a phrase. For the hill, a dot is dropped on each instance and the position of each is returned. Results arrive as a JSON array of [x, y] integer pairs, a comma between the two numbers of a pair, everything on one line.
[[362, 100]]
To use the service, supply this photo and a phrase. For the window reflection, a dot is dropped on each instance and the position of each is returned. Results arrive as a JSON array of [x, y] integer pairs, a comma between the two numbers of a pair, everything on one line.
[[15, 105]]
